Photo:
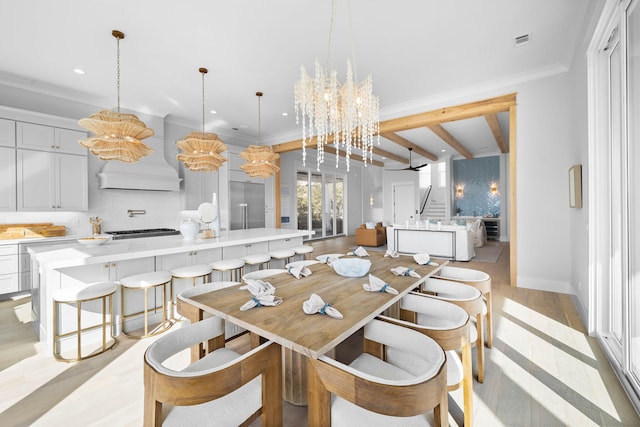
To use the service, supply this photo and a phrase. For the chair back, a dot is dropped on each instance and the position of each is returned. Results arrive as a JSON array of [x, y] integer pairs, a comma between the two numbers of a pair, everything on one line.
[[263, 274]]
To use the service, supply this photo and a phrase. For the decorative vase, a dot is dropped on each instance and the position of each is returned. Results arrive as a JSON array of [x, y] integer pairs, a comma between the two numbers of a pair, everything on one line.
[[215, 225], [189, 229]]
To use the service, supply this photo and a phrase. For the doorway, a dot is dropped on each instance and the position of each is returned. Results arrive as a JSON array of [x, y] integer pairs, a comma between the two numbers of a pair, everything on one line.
[[404, 205]]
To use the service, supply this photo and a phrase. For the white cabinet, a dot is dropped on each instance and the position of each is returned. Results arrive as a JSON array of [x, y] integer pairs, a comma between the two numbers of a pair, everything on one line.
[[7, 179], [238, 251], [276, 245], [7, 133], [47, 138], [51, 181], [9, 277]]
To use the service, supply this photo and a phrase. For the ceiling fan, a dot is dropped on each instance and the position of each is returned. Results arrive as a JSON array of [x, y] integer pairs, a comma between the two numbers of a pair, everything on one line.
[[410, 168]]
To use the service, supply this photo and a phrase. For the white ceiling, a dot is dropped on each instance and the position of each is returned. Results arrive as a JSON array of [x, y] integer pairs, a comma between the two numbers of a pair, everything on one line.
[[414, 49]]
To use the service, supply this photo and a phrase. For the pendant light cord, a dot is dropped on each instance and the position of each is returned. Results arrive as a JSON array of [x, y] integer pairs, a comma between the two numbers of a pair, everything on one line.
[[202, 73], [259, 118], [118, 71], [331, 29]]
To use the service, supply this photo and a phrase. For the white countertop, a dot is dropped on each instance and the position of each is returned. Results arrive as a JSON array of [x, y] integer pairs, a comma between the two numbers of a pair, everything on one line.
[[75, 254], [38, 240]]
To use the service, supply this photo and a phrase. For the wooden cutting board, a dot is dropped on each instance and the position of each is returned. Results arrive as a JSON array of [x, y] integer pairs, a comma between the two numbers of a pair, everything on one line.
[[22, 231]]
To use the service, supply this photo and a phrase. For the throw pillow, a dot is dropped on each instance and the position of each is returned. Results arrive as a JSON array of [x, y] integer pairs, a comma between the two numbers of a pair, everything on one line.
[[369, 225]]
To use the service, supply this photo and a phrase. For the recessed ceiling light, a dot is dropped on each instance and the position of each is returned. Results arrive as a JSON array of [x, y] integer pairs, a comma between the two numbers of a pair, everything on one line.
[[78, 71], [443, 151], [384, 158], [213, 111], [285, 114]]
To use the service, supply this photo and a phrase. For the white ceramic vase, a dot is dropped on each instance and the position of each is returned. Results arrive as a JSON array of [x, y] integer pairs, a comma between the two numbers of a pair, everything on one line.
[[189, 229]]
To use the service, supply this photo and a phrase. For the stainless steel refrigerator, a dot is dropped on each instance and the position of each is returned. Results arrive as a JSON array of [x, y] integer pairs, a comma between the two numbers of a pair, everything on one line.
[[247, 208]]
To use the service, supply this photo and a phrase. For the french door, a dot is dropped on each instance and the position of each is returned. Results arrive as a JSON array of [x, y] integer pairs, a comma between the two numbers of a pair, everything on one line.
[[320, 203], [616, 197]]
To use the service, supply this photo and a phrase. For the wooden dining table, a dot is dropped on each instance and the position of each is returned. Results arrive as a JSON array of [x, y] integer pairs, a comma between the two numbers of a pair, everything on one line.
[[302, 335]]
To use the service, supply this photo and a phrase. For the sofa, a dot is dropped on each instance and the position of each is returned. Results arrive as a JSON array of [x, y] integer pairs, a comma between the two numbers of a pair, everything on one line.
[[370, 234]]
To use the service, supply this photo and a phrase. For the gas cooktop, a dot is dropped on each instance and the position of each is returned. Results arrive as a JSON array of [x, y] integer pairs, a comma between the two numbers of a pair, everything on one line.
[[149, 232]]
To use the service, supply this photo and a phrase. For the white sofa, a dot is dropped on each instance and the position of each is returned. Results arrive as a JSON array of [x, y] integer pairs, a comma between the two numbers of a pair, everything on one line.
[[448, 241]]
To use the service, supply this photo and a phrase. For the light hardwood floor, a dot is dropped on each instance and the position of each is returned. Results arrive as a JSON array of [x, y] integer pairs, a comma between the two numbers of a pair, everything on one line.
[[543, 370]]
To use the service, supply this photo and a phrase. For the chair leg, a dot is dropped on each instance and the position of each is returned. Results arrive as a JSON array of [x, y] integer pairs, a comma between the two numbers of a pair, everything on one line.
[[467, 385], [489, 320], [480, 347]]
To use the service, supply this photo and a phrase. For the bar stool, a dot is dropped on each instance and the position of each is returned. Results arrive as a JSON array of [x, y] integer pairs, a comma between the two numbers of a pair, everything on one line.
[[234, 266], [78, 295], [257, 259], [146, 281], [479, 280], [304, 250], [193, 272], [284, 254]]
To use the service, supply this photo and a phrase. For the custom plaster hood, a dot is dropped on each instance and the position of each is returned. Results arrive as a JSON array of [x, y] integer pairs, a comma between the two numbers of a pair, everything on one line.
[[149, 173]]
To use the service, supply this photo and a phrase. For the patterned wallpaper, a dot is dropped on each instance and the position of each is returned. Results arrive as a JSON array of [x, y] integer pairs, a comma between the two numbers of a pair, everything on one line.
[[474, 178]]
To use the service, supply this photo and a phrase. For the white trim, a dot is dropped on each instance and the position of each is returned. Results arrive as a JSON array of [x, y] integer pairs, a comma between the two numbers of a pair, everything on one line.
[[563, 287]]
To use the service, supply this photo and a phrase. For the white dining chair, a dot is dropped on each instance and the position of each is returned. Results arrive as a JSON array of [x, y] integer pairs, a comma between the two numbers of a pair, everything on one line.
[[263, 274]]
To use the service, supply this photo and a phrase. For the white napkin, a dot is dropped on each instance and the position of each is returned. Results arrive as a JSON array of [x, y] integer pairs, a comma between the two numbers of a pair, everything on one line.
[[328, 259], [262, 294], [377, 285], [359, 251], [424, 259], [405, 271], [391, 253], [299, 271], [315, 304]]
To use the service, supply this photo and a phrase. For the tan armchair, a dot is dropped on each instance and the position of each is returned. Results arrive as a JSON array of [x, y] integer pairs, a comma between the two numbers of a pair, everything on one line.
[[376, 236]]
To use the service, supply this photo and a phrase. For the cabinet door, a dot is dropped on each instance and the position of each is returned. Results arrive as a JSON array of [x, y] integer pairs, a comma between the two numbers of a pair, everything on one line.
[[171, 261], [35, 137], [71, 182], [235, 251], [7, 133], [7, 179], [67, 141], [36, 180], [199, 187], [207, 256]]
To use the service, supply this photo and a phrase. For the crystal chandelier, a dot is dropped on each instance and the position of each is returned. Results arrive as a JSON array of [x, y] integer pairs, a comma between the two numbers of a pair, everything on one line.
[[346, 115], [117, 135], [201, 151], [259, 157]]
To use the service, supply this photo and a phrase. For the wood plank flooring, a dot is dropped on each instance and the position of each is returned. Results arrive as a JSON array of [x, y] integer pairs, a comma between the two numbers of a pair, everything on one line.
[[543, 370]]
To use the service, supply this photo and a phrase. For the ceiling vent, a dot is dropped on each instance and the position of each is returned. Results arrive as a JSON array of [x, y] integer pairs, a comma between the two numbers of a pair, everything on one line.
[[520, 40]]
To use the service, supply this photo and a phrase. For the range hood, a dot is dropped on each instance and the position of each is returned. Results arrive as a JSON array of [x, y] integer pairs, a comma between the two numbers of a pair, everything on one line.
[[149, 173]]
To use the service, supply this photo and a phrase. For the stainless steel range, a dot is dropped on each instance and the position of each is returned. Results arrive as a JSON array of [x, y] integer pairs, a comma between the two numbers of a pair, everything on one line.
[[149, 232]]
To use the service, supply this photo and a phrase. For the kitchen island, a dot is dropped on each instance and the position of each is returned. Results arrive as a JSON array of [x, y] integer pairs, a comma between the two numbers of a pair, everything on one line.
[[62, 266]]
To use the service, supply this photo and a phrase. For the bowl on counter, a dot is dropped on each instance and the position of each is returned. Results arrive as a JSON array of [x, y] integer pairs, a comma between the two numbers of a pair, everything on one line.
[[96, 240]]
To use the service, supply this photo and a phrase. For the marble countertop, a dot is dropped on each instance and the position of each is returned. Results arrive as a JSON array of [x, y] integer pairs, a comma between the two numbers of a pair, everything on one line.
[[75, 254], [39, 240]]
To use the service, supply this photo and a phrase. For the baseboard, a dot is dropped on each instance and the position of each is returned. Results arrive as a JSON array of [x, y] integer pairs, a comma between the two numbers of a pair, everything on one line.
[[582, 311], [544, 285]]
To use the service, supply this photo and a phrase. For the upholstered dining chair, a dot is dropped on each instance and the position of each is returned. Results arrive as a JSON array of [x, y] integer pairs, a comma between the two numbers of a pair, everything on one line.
[[470, 300], [399, 378], [193, 314], [224, 388], [449, 325], [263, 274]]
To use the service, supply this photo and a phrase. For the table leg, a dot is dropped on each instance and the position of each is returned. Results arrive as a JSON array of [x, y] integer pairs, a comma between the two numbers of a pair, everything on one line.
[[294, 376]]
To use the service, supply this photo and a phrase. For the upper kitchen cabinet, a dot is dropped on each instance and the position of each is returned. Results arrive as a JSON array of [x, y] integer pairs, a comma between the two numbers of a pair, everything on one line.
[[7, 179], [51, 181], [47, 138], [7, 133]]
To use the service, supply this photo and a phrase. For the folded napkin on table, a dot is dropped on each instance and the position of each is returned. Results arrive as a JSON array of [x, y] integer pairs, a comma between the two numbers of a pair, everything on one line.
[[327, 259], [405, 271], [424, 259], [378, 285], [298, 271], [315, 304], [262, 294], [391, 253], [359, 251]]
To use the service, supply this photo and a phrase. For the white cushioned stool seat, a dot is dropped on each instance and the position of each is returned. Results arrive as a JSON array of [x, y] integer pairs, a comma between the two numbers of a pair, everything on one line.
[[79, 295], [304, 250], [144, 282], [256, 258], [232, 265], [282, 254], [189, 271]]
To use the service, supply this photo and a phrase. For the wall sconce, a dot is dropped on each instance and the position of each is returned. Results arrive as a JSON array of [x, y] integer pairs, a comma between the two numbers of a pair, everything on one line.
[[493, 189], [371, 200], [459, 191]]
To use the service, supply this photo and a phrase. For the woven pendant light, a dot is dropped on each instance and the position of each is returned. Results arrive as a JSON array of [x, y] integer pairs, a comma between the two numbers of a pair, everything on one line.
[[201, 150], [117, 136], [259, 157]]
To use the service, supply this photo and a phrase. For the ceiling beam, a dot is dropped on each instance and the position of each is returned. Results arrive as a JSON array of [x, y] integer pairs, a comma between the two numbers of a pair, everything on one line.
[[408, 144], [494, 125], [449, 114], [389, 155], [449, 139], [353, 156], [459, 112]]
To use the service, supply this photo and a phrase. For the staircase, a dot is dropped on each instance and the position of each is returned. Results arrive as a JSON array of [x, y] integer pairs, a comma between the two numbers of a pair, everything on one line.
[[437, 209]]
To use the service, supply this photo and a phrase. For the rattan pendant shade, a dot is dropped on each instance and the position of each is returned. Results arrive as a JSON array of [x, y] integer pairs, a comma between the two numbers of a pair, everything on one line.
[[259, 157], [117, 136], [201, 150]]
